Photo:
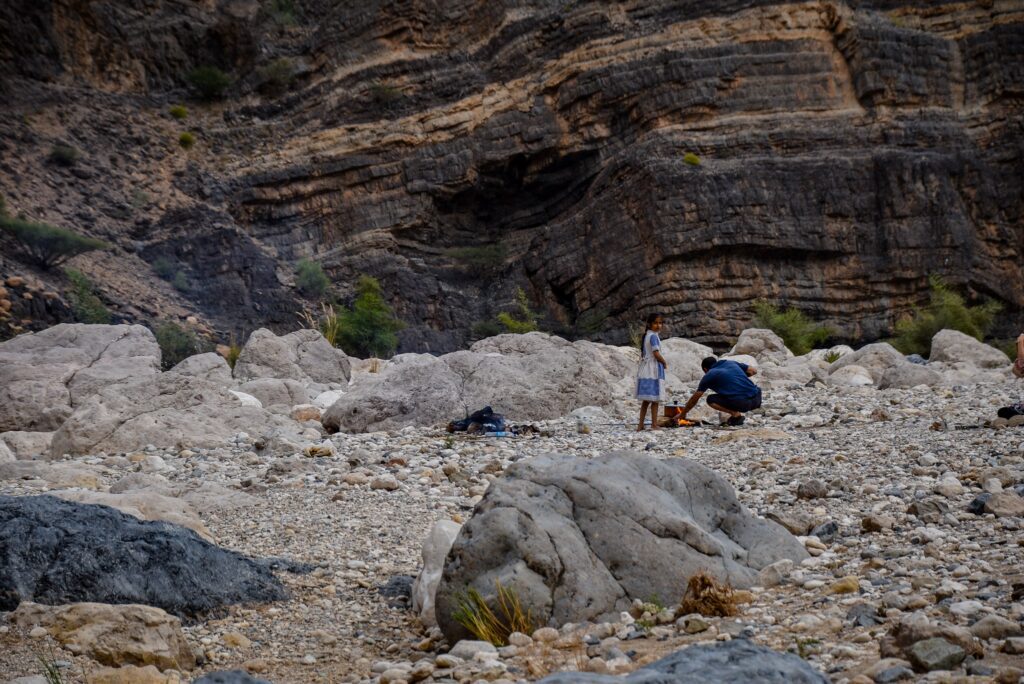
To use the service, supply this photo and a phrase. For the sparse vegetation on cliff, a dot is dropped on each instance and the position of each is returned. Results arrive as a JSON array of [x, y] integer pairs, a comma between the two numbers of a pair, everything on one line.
[[64, 155], [798, 331], [208, 82], [691, 159], [946, 309], [311, 279], [479, 260], [45, 245], [186, 140], [523, 319], [367, 328], [178, 112], [86, 306], [276, 76], [176, 344]]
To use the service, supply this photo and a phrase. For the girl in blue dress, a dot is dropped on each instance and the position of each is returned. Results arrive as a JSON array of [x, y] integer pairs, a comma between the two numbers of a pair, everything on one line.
[[650, 373]]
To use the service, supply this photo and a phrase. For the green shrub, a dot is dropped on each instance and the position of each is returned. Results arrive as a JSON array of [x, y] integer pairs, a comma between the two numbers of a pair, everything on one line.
[[799, 332], [186, 140], [493, 625], [178, 112], [86, 306], [63, 155], [1007, 346], [691, 159], [945, 310], [481, 260], [164, 268], [384, 94], [234, 351], [282, 11], [181, 283], [523, 319], [484, 329], [311, 279], [591, 322], [46, 245], [208, 82], [832, 356], [276, 76], [176, 344], [368, 327], [140, 198]]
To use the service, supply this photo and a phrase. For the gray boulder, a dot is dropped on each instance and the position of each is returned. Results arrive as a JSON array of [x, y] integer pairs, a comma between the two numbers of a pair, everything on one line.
[[875, 358], [45, 375], [738, 660], [763, 344], [27, 445], [304, 356], [229, 677], [56, 552], [165, 410], [274, 392], [5, 454], [953, 346], [577, 539], [683, 357], [908, 375], [210, 366]]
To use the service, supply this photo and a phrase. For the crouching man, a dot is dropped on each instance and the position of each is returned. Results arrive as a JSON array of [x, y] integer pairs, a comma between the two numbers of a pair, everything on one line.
[[734, 394]]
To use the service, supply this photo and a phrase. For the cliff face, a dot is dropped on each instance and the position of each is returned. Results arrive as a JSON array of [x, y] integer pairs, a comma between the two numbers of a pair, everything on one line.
[[846, 152]]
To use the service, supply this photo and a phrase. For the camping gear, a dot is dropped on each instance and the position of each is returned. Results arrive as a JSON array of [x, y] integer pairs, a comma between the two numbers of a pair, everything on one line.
[[485, 420]]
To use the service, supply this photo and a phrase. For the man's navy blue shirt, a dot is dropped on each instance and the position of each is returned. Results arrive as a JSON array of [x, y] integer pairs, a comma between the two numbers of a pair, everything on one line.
[[729, 378]]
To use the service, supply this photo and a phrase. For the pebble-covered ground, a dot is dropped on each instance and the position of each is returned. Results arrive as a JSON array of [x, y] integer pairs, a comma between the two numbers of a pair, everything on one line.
[[888, 468]]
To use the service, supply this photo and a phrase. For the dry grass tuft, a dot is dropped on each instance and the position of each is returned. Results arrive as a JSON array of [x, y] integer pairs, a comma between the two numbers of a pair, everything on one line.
[[707, 596], [476, 615]]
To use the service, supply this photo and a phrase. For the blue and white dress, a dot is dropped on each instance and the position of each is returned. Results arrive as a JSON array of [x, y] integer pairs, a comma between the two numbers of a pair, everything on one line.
[[650, 375]]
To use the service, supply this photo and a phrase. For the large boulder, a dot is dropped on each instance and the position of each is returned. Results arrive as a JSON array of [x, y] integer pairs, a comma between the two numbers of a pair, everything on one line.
[[6, 456], [683, 357], [414, 389], [851, 375], [45, 375], [274, 392], [577, 539], [56, 552], [112, 634], [144, 505], [210, 366], [909, 375], [875, 358], [763, 344], [953, 346], [165, 410], [27, 445], [738, 660], [435, 549], [304, 356]]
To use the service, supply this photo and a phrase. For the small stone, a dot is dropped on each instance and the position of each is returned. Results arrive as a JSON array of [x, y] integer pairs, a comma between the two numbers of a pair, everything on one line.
[[468, 648], [965, 608], [1005, 504], [846, 585], [1014, 646], [37, 632], [386, 482], [877, 523], [694, 624], [995, 627], [355, 479], [935, 654], [812, 489], [447, 660], [236, 640], [545, 634], [519, 639]]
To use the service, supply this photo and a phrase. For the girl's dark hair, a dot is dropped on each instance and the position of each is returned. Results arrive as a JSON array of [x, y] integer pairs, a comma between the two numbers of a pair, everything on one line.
[[650, 320]]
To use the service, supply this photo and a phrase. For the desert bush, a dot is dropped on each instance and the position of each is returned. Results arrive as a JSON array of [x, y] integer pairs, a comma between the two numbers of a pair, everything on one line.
[[798, 331], [234, 351], [832, 356], [63, 155], [208, 82], [480, 260], [484, 329], [311, 279], [176, 344], [164, 268], [178, 112], [45, 245], [181, 282], [282, 11], [140, 198], [946, 309], [492, 625], [276, 76], [709, 597], [367, 328], [86, 306], [186, 140], [523, 319], [384, 94], [691, 159]]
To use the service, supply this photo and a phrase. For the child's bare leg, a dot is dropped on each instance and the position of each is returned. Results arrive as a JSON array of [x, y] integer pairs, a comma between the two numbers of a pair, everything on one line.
[[654, 415], [643, 414], [1020, 346]]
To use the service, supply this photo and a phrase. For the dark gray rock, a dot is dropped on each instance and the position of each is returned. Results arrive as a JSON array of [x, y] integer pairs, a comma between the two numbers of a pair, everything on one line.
[[935, 654], [894, 674], [54, 552], [738, 660], [812, 489], [229, 677], [578, 539], [826, 531]]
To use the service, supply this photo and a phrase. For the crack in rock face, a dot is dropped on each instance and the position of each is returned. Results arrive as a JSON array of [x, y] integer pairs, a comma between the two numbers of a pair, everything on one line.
[[578, 539]]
